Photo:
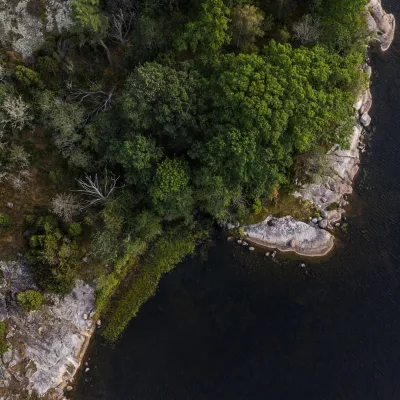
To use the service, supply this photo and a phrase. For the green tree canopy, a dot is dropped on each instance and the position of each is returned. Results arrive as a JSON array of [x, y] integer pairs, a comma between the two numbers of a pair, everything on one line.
[[209, 32]]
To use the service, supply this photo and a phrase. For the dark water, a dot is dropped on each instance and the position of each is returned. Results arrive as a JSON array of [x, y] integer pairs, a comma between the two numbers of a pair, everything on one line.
[[240, 327]]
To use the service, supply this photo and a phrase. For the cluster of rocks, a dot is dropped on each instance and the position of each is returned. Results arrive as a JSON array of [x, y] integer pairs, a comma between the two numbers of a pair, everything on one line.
[[245, 244], [46, 346], [330, 194]]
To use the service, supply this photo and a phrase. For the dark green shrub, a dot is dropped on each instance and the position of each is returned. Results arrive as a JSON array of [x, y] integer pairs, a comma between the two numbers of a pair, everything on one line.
[[49, 223], [75, 229], [29, 299], [3, 340], [30, 220], [5, 221], [53, 256], [27, 77]]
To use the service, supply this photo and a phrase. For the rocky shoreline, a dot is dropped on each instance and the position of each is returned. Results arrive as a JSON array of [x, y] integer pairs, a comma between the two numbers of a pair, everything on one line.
[[329, 196], [46, 347]]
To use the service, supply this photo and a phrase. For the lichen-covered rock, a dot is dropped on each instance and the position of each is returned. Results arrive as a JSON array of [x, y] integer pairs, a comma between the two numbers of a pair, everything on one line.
[[23, 23], [287, 234], [46, 346]]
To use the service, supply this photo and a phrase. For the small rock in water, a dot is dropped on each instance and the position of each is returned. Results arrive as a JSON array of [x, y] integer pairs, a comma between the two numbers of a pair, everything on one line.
[[337, 224], [239, 241], [267, 253], [229, 225], [98, 322], [87, 369], [245, 243], [69, 388], [314, 220], [230, 238], [273, 254], [302, 265], [251, 248], [86, 363]]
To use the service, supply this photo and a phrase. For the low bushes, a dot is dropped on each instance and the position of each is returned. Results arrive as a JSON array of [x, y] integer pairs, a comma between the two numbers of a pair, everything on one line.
[[29, 299]]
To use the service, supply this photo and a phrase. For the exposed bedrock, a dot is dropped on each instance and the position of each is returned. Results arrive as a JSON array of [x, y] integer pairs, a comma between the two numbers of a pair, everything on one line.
[[287, 234], [45, 346]]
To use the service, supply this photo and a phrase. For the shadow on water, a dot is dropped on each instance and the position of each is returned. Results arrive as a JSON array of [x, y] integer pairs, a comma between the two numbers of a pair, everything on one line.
[[240, 326]]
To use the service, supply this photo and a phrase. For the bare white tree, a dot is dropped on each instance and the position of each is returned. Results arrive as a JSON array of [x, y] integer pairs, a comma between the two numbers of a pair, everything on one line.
[[2, 144], [19, 179], [2, 73], [96, 100], [66, 206], [307, 30], [99, 191], [16, 113], [121, 24], [15, 171], [18, 156]]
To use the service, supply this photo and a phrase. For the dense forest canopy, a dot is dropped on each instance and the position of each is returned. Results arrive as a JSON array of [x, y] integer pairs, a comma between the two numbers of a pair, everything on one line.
[[164, 117]]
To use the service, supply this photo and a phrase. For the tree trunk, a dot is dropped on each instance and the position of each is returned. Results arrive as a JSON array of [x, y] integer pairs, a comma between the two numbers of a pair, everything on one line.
[[101, 42]]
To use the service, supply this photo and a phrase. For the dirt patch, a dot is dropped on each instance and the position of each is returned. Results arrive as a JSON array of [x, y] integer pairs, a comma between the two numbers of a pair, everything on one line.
[[35, 197]]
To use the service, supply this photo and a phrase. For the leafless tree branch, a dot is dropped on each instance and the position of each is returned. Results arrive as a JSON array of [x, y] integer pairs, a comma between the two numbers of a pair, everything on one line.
[[99, 191], [121, 23]]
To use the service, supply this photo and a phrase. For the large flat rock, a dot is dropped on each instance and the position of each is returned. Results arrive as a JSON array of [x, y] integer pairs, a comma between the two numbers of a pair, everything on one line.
[[287, 234]]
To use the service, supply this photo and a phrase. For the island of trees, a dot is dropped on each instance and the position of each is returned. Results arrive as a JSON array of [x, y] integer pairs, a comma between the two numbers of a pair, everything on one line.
[[126, 138]]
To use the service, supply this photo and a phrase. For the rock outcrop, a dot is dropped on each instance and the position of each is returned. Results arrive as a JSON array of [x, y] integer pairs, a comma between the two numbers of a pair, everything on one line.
[[45, 346], [381, 22], [287, 234], [23, 23]]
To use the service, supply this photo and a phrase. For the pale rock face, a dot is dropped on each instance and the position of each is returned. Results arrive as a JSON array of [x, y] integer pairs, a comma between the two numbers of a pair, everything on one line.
[[287, 234], [378, 20], [365, 119], [46, 345], [344, 167], [23, 23]]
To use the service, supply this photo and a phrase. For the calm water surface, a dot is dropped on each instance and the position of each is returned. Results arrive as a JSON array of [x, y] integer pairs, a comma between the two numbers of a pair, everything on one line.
[[238, 326]]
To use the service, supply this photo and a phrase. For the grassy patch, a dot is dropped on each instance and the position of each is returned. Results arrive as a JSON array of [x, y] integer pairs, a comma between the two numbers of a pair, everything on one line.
[[282, 205]]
